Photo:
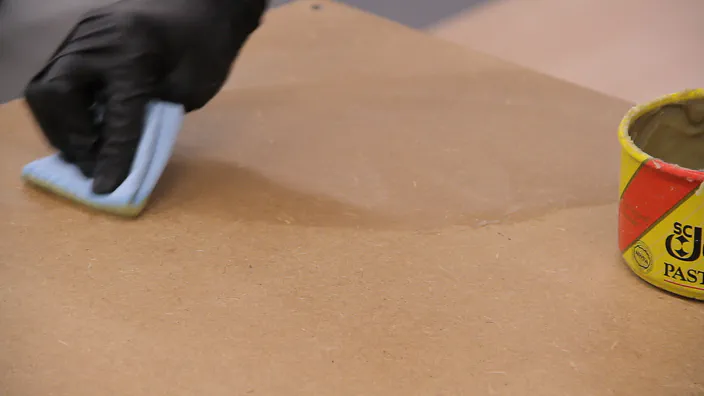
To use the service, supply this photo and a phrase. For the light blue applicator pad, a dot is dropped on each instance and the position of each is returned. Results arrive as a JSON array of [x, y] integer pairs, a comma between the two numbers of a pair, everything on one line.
[[162, 126]]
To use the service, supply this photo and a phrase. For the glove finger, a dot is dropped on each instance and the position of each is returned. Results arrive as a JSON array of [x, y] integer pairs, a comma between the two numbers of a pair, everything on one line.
[[129, 91], [123, 130], [60, 107]]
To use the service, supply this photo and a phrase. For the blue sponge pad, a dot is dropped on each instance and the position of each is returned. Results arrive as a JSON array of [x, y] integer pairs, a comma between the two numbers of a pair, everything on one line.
[[162, 125]]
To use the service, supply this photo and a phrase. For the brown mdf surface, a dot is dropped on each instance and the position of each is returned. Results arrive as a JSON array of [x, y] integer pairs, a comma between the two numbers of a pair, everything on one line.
[[365, 210], [632, 49]]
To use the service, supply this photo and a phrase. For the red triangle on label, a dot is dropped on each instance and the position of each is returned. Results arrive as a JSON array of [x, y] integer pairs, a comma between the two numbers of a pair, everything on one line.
[[650, 195]]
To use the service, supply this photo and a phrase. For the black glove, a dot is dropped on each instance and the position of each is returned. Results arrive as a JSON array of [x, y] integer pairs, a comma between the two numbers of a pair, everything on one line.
[[90, 98]]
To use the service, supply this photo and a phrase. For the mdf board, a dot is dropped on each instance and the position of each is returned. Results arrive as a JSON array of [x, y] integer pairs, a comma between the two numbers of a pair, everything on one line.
[[364, 210], [632, 49]]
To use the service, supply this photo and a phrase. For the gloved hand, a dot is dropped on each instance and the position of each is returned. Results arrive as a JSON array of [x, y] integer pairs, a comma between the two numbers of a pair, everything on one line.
[[90, 98]]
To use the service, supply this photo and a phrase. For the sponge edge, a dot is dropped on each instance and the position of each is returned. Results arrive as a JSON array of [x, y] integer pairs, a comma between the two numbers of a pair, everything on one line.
[[162, 125]]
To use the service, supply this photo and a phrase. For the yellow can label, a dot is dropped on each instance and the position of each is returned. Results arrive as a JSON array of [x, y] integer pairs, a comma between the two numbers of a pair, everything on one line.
[[660, 226]]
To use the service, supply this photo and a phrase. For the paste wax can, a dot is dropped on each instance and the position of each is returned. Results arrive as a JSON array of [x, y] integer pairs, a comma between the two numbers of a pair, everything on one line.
[[661, 211]]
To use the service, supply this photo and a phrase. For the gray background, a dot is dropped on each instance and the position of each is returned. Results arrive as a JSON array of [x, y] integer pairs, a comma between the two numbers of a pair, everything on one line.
[[31, 29]]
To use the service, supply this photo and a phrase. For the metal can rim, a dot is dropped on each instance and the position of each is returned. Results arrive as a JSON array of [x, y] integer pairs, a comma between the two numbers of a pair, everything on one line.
[[644, 158]]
